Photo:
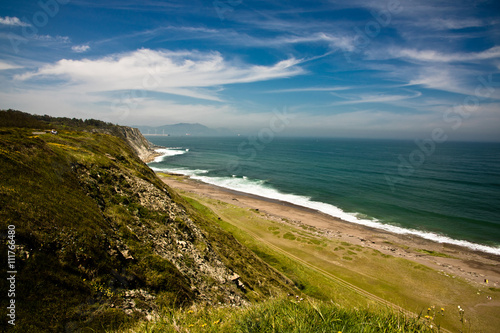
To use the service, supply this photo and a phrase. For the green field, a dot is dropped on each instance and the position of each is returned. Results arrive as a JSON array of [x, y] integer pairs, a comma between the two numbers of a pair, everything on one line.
[[352, 276]]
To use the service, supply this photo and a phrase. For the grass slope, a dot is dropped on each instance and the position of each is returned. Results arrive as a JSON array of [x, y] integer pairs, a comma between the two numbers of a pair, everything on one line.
[[284, 315], [100, 240], [334, 270], [67, 276]]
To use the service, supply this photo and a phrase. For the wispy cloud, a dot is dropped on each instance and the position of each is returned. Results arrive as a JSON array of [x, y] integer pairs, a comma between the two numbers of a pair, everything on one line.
[[454, 24], [342, 42], [13, 21], [436, 56], [308, 89], [162, 71], [377, 98], [49, 38], [4, 65], [80, 48]]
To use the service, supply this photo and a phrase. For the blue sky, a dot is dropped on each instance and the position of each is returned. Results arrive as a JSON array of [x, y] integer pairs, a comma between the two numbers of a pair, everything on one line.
[[358, 68]]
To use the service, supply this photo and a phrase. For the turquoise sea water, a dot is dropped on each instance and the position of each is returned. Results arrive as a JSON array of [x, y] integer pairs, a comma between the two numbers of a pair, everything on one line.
[[448, 192]]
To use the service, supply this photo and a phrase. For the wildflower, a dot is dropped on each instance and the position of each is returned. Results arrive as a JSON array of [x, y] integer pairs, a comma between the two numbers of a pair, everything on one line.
[[203, 325], [216, 322], [191, 325], [442, 309], [190, 311]]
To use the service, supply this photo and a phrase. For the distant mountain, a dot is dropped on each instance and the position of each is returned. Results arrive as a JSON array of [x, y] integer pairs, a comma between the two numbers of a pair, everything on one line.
[[183, 129]]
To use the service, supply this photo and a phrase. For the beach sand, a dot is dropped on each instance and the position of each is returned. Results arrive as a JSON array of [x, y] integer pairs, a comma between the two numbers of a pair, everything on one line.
[[477, 268]]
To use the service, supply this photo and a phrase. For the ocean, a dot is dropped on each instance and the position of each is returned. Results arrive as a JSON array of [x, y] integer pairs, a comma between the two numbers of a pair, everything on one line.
[[447, 192]]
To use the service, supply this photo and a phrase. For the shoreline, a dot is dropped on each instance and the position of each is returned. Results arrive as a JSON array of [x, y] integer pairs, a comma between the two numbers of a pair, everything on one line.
[[476, 267]]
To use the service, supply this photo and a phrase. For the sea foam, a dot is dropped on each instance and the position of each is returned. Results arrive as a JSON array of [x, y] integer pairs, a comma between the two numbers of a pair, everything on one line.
[[167, 152], [259, 188], [262, 189]]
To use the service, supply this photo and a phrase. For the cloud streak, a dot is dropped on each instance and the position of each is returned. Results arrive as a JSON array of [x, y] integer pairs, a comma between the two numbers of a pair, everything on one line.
[[13, 21], [173, 72], [436, 56]]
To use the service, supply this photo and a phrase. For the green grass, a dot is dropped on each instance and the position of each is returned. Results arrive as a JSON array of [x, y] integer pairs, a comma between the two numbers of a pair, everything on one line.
[[284, 315], [59, 191], [434, 253], [403, 282], [77, 202], [261, 279]]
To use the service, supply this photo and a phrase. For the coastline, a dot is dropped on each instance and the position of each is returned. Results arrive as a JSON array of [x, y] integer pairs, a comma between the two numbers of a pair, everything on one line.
[[476, 267]]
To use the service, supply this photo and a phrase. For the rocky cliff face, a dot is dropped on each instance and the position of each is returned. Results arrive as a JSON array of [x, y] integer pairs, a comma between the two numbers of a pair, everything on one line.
[[101, 241], [141, 146]]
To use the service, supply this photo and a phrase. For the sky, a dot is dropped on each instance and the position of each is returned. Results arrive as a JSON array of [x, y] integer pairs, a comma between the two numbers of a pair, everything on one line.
[[404, 69]]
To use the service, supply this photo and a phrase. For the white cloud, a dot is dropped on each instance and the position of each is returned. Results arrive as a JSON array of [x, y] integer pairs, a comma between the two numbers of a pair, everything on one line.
[[345, 43], [80, 48], [309, 89], [162, 71], [378, 98], [13, 21], [4, 65], [436, 56], [49, 38], [441, 23]]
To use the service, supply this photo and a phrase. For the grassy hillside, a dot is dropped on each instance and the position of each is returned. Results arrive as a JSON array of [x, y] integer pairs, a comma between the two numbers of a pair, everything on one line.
[[100, 240], [102, 244], [285, 315], [352, 276]]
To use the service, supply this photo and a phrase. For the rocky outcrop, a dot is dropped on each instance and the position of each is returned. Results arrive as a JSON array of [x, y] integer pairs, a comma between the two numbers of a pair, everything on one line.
[[164, 227], [142, 147]]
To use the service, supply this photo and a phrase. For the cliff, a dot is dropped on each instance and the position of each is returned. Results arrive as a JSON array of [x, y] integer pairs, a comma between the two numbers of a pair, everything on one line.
[[100, 241], [141, 146]]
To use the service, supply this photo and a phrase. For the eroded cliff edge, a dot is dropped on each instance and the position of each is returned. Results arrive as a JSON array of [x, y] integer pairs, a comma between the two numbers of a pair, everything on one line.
[[142, 146]]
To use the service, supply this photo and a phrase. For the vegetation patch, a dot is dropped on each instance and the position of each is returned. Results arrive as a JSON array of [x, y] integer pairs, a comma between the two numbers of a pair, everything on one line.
[[434, 253], [289, 236], [285, 315]]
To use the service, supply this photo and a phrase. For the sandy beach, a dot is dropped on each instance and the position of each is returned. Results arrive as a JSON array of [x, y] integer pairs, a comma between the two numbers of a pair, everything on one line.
[[477, 268]]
